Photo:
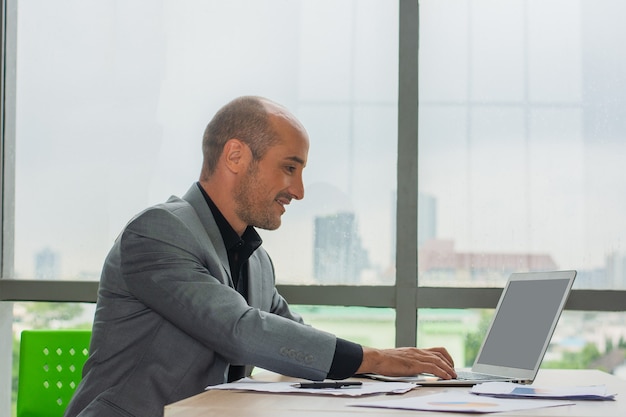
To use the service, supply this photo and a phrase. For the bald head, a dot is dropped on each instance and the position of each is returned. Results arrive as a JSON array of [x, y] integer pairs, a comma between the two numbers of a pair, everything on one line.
[[247, 118]]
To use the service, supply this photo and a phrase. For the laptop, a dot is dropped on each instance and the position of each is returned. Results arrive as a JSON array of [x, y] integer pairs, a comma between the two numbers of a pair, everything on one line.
[[521, 329]]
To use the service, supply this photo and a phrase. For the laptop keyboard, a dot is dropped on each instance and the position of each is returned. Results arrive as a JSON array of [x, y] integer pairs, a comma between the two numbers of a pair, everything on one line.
[[467, 375]]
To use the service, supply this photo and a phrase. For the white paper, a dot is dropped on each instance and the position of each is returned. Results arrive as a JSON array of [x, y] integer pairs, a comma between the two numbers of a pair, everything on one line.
[[461, 402], [368, 388], [511, 390]]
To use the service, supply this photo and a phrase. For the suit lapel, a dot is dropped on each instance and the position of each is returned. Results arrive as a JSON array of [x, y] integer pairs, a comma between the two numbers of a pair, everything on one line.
[[195, 198]]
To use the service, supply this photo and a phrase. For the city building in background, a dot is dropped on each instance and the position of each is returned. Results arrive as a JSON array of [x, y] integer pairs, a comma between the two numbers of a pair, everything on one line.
[[426, 218], [47, 264], [338, 251], [440, 264]]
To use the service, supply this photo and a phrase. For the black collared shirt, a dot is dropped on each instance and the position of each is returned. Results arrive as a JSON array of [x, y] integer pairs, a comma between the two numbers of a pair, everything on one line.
[[348, 355], [239, 249]]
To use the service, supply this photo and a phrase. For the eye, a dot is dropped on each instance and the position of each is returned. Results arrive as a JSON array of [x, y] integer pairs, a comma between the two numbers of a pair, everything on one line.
[[290, 169]]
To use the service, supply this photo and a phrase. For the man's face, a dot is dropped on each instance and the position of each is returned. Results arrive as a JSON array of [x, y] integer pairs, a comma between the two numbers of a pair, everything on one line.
[[270, 183]]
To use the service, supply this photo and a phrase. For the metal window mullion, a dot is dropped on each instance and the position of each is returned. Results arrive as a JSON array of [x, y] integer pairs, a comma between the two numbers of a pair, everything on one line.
[[7, 149], [406, 209], [8, 18]]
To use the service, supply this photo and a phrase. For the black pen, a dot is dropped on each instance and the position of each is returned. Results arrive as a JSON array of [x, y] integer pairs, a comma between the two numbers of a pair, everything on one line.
[[334, 384]]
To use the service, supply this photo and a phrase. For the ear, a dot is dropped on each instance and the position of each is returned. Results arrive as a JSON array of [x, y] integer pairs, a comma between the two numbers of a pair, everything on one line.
[[236, 155]]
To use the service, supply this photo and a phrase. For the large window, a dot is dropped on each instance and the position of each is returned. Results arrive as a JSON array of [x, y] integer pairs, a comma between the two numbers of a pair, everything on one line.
[[112, 98], [521, 155], [107, 102], [521, 135]]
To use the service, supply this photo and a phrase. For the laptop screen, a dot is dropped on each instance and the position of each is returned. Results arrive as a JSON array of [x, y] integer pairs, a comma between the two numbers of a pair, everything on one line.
[[524, 322]]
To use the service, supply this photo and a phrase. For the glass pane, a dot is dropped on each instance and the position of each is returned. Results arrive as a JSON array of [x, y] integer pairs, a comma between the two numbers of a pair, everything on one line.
[[581, 340], [373, 327], [113, 98], [521, 141]]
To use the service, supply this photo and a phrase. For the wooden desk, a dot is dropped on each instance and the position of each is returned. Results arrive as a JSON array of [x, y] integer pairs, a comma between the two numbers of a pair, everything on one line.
[[254, 404]]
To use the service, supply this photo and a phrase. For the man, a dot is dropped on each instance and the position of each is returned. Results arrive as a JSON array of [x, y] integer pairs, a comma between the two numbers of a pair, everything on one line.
[[187, 296]]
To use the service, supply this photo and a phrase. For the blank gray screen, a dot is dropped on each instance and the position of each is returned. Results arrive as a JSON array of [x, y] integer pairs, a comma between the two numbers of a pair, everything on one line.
[[523, 323]]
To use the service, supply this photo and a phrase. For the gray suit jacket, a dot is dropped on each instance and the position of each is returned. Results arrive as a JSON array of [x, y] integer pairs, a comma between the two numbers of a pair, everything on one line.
[[168, 322]]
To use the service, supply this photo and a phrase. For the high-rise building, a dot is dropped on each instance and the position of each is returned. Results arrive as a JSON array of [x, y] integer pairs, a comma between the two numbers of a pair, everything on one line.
[[426, 218], [47, 264], [339, 256], [616, 270]]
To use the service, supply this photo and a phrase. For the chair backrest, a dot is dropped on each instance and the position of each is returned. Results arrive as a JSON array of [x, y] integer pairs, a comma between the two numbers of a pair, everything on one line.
[[51, 366]]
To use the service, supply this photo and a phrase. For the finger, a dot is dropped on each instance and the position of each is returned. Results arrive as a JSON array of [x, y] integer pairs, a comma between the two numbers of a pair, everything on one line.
[[443, 362], [440, 370], [444, 353]]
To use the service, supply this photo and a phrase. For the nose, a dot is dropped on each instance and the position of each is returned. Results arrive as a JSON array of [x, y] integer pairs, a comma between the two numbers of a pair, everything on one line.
[[297, 188]]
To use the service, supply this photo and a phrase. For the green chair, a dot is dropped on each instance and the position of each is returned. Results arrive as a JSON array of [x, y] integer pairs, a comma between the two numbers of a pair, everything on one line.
[[51, 365]]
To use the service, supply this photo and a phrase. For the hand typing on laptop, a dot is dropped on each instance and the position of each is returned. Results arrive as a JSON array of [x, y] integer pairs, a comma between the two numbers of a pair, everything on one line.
[[407, 361]]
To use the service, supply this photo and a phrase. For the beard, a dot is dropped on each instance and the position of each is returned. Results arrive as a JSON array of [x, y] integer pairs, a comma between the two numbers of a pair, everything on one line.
[[252, 203]]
